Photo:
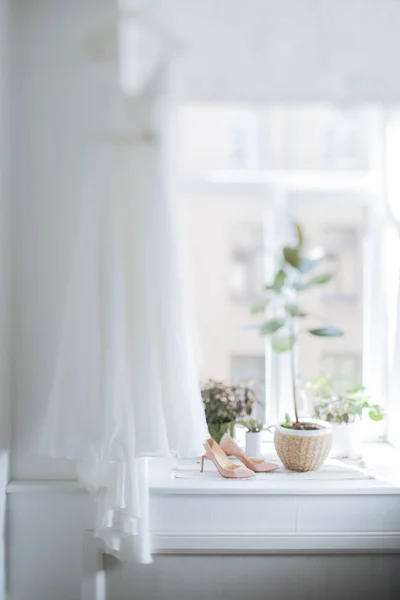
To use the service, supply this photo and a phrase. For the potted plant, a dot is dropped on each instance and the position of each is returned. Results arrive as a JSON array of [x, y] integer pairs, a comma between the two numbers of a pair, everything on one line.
[[224, 404], [344, 406], [302, 446], [254, 431]]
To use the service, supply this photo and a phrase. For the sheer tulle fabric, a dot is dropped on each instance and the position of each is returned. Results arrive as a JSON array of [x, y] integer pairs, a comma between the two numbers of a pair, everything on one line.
[[125, 386]]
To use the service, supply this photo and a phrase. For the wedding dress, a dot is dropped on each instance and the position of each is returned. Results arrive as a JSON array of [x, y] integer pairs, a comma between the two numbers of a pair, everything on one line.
[[125, 386]]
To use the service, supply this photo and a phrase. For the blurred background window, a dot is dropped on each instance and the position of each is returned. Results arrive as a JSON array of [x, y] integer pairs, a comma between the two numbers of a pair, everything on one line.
[[245, 174]]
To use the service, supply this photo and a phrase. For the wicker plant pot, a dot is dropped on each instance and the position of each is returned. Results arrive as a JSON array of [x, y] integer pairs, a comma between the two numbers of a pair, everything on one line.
[[302, 450]]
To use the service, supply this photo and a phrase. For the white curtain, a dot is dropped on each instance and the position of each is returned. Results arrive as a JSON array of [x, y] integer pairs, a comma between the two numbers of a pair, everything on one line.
[[125, 386]]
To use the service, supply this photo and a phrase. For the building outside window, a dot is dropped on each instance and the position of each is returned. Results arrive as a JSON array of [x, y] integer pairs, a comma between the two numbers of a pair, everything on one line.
[[346, 366], [247, 273], [343, 251]]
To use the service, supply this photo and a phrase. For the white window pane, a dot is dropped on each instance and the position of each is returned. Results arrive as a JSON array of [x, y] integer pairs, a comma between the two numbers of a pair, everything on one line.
[[336, 224], [216, 137], [314, 137], [344, 366], [295, 149], [250, 370], [247, 259], [225, 248]]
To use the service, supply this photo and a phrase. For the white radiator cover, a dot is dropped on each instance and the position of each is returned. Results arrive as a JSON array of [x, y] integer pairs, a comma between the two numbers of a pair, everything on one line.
[[61, 559]]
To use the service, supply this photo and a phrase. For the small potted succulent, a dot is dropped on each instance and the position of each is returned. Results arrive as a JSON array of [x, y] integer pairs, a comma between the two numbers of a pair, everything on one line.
[[224, 404], [301, 445], [344, 406], [254, 431]]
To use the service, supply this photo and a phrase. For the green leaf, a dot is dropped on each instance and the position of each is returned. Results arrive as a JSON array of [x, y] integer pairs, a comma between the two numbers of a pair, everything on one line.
[[272, 326], [282, 343], [295, 311], [320, 279], [259, 307], [300, 235], [279, 281], [292, 257], [375, 416], [326, 332], [288, 420]]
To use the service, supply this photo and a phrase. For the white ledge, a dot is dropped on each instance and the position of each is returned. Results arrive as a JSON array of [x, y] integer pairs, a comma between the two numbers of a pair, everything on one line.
[[223, 487], [381, 458], [17, 486], [282, 542], [269, 488]]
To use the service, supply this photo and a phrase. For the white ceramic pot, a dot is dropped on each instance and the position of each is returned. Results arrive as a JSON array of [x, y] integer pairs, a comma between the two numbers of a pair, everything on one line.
[[301, 449], [254, 444], [346, 440]]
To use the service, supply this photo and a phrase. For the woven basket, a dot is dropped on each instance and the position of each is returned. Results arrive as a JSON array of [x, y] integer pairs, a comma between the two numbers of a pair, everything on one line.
[[302, 450]]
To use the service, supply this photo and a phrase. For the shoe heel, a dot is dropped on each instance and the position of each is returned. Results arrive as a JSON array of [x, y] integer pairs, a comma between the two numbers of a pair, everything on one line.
[[202, 464]]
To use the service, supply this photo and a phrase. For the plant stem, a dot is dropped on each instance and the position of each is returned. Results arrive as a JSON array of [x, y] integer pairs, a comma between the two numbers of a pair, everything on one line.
[[293, 371]]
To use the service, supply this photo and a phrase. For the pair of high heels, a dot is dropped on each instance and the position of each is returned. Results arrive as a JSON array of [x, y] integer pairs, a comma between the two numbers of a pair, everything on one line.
[[218, 454]]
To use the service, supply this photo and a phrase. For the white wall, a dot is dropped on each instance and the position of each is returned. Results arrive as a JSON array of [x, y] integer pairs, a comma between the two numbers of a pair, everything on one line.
[[45, 544], [50, 129], [48, 123], [4, 281], [257, 577]]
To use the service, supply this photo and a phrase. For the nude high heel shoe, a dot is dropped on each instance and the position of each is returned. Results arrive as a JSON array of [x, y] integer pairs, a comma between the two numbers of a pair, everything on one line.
[[225, 466], [258, 465]]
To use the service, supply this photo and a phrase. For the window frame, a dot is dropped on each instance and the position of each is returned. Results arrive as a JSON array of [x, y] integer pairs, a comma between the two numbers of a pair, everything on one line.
[[369, 186]]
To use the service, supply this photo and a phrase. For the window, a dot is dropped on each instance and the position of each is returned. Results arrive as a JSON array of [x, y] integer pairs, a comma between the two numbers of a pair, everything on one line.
[[247, 261], [336, 223], [243, 139], [343, 251], [246, 173], [250, 370], [346, 366], [314, 138], [225, 249]]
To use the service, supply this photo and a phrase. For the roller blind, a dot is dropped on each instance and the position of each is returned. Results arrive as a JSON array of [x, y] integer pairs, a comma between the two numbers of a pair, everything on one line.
[[342, 51]]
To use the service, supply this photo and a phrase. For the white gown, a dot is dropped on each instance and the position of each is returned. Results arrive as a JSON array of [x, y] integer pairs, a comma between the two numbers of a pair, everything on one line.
[[125, 386]]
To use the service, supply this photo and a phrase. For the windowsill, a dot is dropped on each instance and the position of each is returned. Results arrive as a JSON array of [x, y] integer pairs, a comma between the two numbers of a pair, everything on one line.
[[281, 515], [384, 461], [379, 459], [215, 515], [252, 487]]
